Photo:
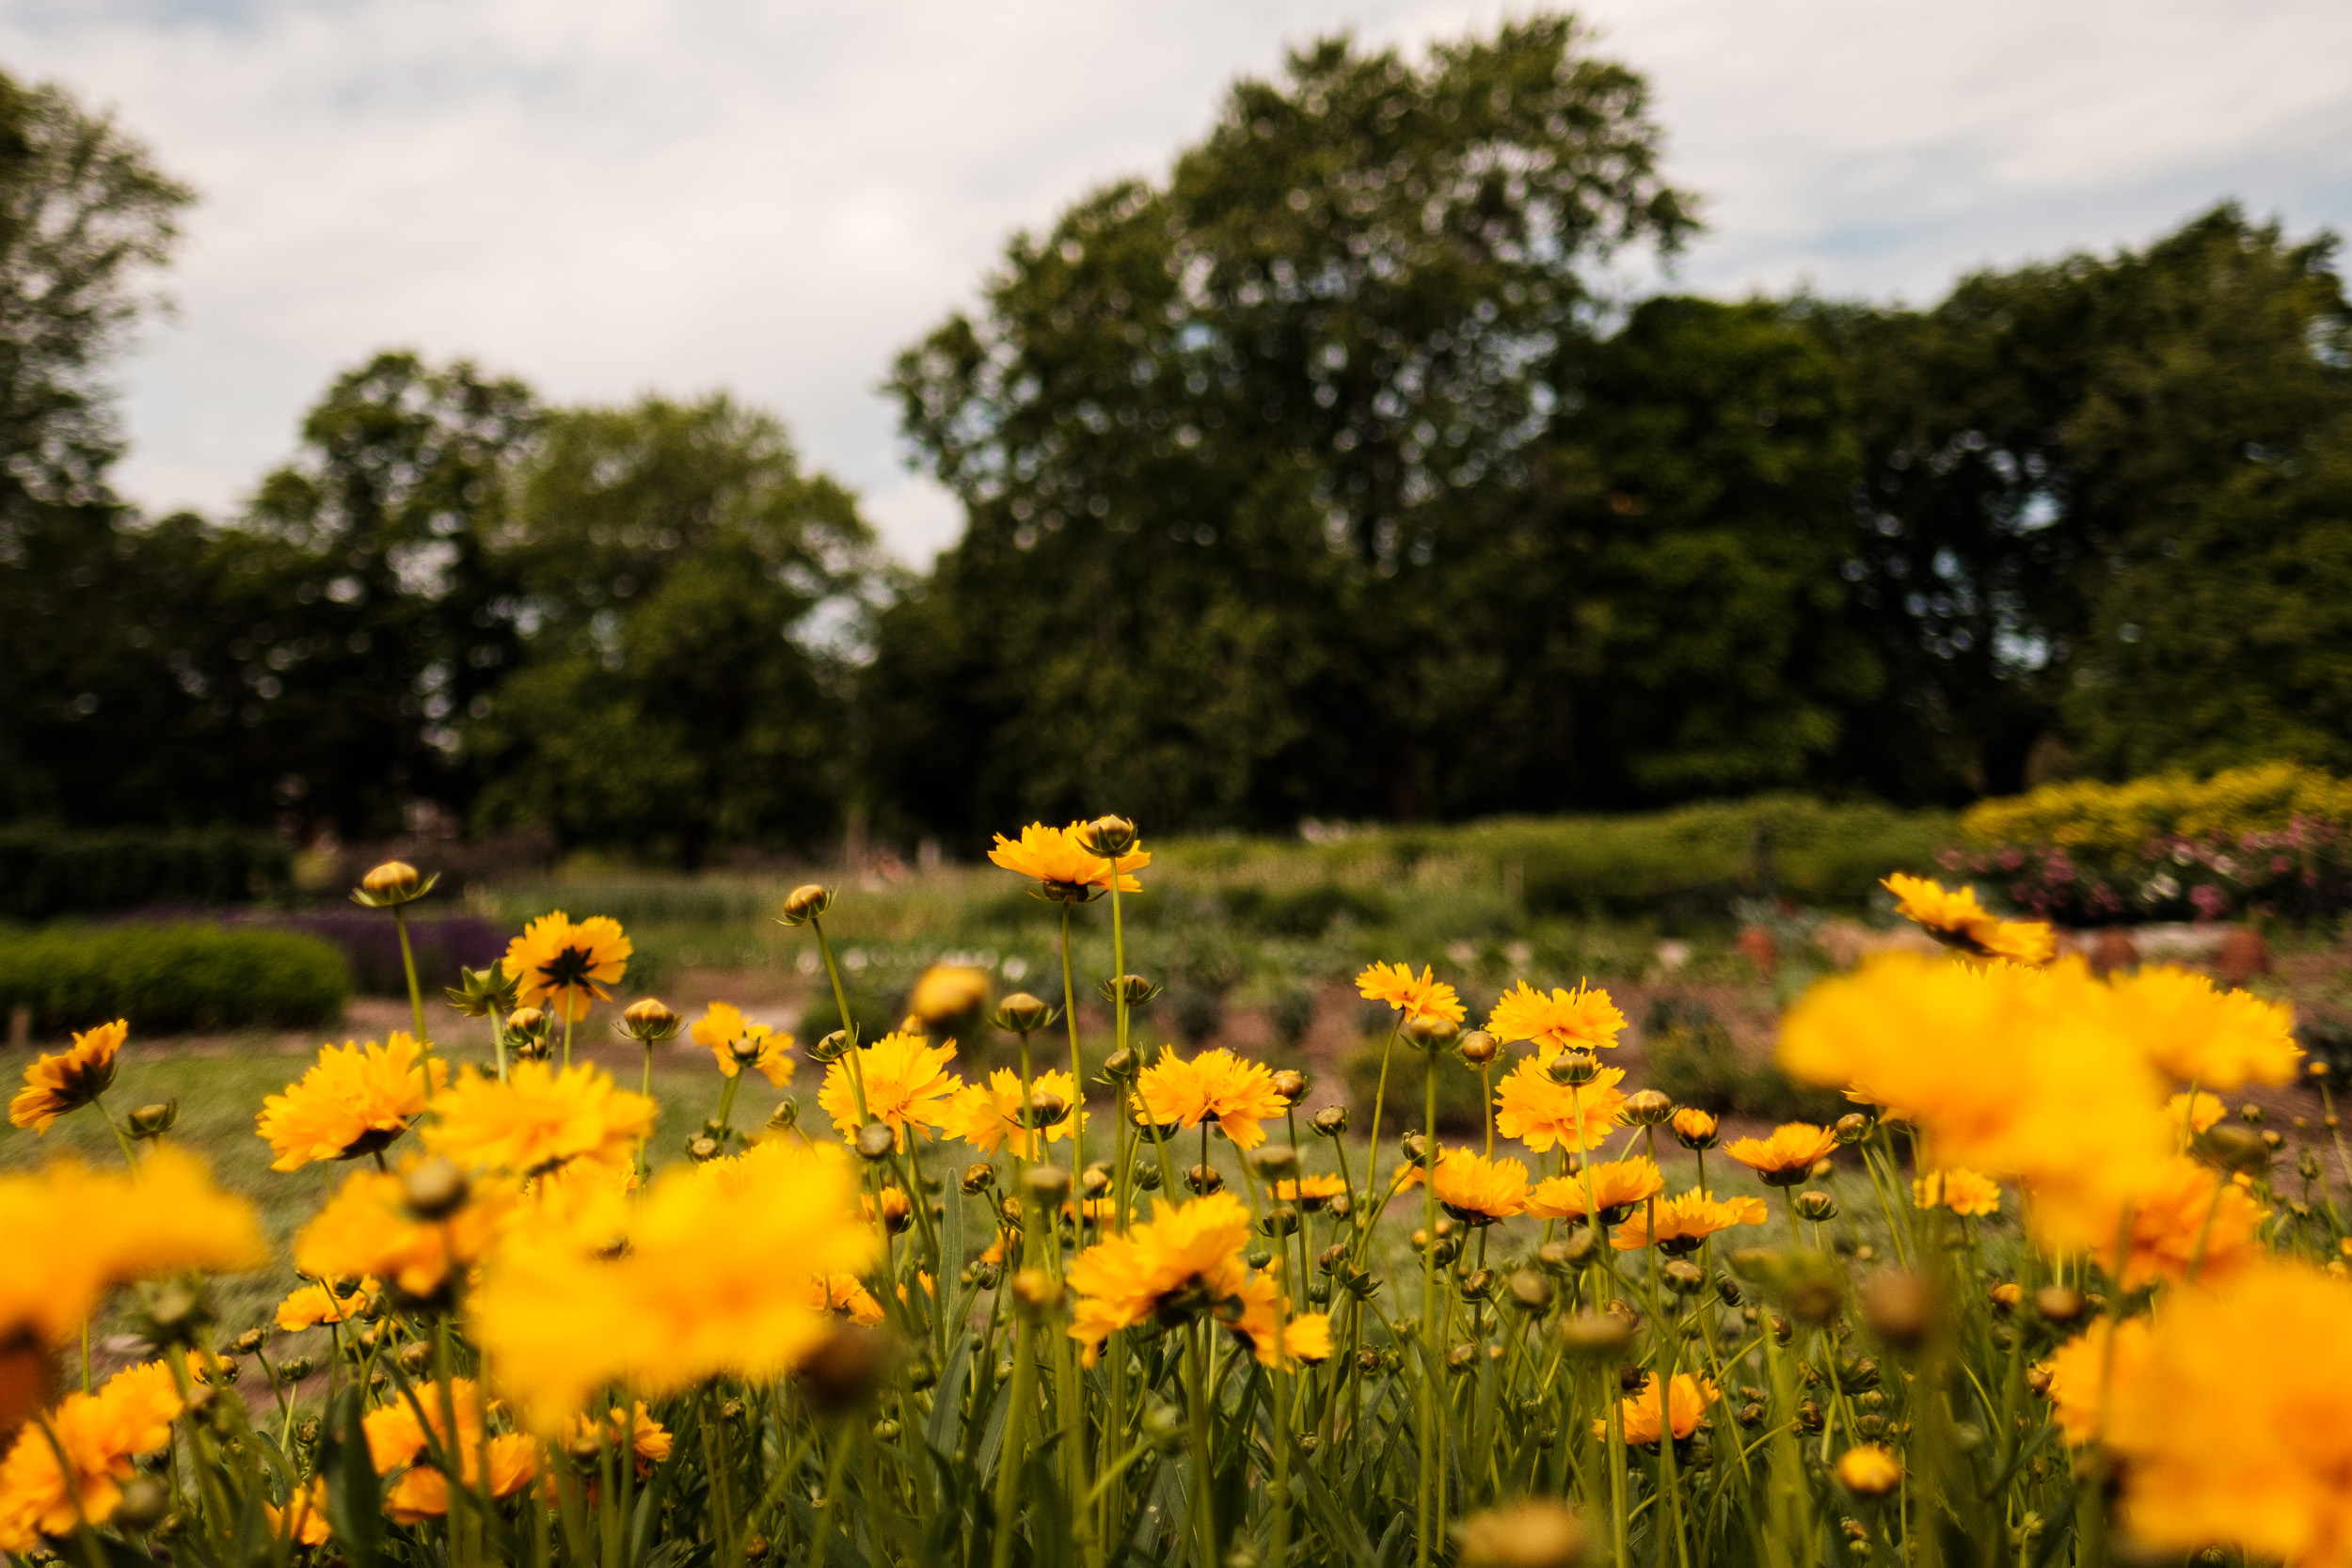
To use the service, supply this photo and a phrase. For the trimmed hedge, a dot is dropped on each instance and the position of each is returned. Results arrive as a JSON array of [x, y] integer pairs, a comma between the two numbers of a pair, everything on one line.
[[45, 873], [171, 979], [2105, 825]]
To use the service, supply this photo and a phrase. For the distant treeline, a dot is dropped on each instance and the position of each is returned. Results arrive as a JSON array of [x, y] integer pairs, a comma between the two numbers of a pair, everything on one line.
[[1314, 477]]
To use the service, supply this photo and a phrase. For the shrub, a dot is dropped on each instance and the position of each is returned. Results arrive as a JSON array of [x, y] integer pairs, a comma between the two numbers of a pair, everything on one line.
[[1461, 1102], [2101, 825], [369, 944], [1691, 1056], [173, 978], [45, 873]]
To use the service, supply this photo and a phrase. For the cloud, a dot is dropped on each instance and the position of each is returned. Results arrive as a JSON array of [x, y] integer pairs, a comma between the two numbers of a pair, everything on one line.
[[606, 198]]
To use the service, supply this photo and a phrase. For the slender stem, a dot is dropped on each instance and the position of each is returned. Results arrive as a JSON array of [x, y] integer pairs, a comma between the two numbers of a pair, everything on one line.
[[1077, 1071], [122, 1139], [1372, 1161], [1429, 1492]]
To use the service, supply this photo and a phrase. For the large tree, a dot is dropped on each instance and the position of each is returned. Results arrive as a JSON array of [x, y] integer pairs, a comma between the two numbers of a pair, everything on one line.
[[1210, 433]]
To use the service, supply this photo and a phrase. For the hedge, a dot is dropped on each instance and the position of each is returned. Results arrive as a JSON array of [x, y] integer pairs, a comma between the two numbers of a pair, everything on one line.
[[45, 873], [2107, 825], [169, 979]]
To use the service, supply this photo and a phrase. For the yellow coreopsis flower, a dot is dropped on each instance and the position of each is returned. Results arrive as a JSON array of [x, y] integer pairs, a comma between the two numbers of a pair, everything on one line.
[[2190, 1113], [1648, 1411], [1308, 1338], [368, 1229], [1869, 1470], [73, 1234], [1614, 1185], [1584, 1019], [1191, 1250], [355, 1101], [737, 1043], [513, 1462], [1216, 1086], [2195, 1034], [633, 1431], [2235, 1431], [1961, 1190], [1065, 868], [2186, 1216], [70, 1079], [907, 1086], [539, 1118], [846, 1297], [1309, 1193], [1787, 1156], [1954, 916], [947, 991], [564, 967], [1684, 1220], [309, 1305], [100, 1435], [2082, 1370], [1422, 995], [1543, 1114], [303, 1521], [1478, 1191], [990, 1115]]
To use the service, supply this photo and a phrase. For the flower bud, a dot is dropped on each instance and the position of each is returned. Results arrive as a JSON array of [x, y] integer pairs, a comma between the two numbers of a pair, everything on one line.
[[1204, 1179], [1868, 1470], [392, 883], [1291, 1084], [1431, 1032], [1023, 1014], [435, 1188], [1647, 1108], [651, 1020], [898, 1212], [526, 1021], [1122, 1065], [1695, 1128], [1044, 1109], [153, 1121], [1899, 1307], [1535, 1534], [1414, 1148], [1048, 1184], [1683, 1277], [978, 1177], [784, 1117], [1330, 1121], [757, 1547], [1134, 990], [2058, 1305], [1572, 1068], [1280, 1220], [1108, 838], [1531, 1291], [876, 1141], [702, 1148], [831, 1049], [247, 1342], [294, 1368], [1595, 1335], [2229, 1146], [1817, 1207], [1479, 1048], [1274, 1160], [805, 903], [412, 1358], [1851, 1128]]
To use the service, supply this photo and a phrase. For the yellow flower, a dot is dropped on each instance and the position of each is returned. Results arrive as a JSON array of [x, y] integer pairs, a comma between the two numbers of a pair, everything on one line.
[[2192, 1113], [1543, 1114], [354, 1101], [1584, 1019], [303, 1521], [1308, 1338], [1787, 1156], [1642, 1416], [1869, 1470], [1615, 1185], [907, 1085], [1216, 1086], [1955, 917], [70, 1079], [2021, 1074], [367, 1229], [1422, 995], [540, 1118], [988, 1116], [2235, 1431], [737, 1043], [100, 1435], [714, 1278], [1191, 1252], [2217, 1039], [1478, 1191], [1961, 1190], [309, 1306], [73, 1234], [563, 967], [2183, 1210], [845, 1296], [424, 1494], [1685, 1220], [947, 991], [633, 1430], [1309, 1193], [396, 1433], [1695, 1128], [1065, 868], [2079, 1371]]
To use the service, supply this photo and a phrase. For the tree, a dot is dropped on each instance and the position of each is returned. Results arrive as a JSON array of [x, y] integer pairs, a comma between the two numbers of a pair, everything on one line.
[[688, 599], [1207, 432], [2030, 439]]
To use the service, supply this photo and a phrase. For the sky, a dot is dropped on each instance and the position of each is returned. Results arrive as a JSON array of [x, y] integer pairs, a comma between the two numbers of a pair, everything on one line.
[[773, 197]]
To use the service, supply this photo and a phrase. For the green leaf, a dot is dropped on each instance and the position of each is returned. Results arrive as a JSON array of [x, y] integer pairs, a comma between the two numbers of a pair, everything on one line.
[[354, 1494]]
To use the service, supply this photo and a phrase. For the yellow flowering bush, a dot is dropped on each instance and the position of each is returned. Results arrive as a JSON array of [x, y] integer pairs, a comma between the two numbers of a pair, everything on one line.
[[1167, 1311]]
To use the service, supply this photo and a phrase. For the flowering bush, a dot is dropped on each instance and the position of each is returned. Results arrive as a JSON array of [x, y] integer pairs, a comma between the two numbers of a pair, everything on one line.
[[1176, 1315]]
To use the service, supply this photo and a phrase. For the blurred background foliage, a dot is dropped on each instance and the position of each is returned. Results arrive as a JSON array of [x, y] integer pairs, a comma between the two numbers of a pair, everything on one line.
[[1333, 473]]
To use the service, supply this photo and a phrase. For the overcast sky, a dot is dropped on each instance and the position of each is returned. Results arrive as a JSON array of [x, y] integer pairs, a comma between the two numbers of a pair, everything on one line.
[[607, 196]]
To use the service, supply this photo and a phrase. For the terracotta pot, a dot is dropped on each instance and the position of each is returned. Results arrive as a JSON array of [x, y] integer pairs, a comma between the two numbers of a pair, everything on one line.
[[2244, 955], [2114, 952]]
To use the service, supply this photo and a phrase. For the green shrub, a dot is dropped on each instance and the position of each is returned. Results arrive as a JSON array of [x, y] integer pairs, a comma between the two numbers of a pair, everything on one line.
[[171, 979], [45, 873], [1461, 1101]]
